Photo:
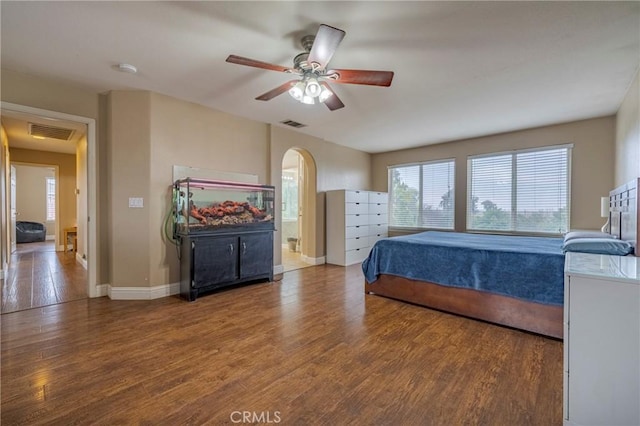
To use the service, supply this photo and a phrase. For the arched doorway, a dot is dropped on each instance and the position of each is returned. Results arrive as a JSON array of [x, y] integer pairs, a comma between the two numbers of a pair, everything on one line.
[[298, 173]]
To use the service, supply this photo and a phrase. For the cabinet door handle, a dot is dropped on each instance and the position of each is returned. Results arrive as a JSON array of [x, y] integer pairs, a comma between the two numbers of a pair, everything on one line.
[[244, 248], [231, 248]]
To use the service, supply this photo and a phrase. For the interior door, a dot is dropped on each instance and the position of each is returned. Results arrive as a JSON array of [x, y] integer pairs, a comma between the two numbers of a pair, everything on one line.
[[14, 213]]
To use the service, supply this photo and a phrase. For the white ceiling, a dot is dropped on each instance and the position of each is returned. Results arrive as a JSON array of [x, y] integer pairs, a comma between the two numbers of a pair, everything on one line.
[[462, 69]]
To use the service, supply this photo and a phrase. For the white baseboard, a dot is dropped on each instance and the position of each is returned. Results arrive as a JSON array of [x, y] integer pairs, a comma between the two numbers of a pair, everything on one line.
[[102, 290], [278, 269], [81, 261], [314, 260], [50, 237], [143, 293], [1, 274]]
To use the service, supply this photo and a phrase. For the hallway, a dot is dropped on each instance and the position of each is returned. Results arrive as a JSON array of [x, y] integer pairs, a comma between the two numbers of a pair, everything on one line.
[[40, 276]]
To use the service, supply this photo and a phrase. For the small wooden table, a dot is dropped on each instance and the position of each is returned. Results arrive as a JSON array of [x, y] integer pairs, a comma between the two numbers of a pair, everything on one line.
[[71, 231]]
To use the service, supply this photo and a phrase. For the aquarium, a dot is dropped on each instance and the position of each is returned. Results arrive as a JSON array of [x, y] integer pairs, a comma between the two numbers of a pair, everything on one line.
[[210, 206]]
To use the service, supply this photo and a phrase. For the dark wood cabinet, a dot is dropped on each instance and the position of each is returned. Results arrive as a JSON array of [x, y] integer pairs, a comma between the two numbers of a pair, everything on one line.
[[210, 262]]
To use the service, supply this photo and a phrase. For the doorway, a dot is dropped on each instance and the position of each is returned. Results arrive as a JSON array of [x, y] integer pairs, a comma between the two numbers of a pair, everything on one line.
[[293, 211], [80, 199]]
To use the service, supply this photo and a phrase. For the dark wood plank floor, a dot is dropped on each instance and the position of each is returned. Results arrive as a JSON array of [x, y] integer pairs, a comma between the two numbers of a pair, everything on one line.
[[40, 276], [310, 349]]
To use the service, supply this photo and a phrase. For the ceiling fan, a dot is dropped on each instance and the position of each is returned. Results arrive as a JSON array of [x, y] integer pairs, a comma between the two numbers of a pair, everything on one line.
[[311, 66]]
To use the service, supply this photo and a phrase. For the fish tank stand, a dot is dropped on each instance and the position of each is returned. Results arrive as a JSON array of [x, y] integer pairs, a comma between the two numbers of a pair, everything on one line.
[[225, 230]]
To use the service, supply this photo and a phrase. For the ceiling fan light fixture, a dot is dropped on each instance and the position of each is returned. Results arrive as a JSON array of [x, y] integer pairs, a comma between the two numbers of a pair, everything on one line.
[[325, 94], [313, 88], [309, 100], [312, 68], [297, 91]]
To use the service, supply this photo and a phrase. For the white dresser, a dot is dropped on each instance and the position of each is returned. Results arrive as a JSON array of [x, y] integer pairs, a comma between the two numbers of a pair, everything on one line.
[[355, 220], [601, 340]]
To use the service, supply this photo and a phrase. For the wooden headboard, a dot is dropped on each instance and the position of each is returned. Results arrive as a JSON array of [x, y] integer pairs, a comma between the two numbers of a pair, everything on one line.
[[624, 206]]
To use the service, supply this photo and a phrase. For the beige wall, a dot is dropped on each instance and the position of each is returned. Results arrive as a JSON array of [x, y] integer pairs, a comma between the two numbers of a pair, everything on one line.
[[129, 170], [66, 181], [337, 168], [627, 166], [592, 170], [31, 194]]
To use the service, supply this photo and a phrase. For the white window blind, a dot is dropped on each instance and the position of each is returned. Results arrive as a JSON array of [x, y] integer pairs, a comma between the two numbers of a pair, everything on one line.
[[520, 192], [51, 198], [422, 195]]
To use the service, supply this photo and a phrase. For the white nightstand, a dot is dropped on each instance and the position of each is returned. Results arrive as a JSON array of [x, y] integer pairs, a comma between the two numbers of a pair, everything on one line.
[[601, 340]]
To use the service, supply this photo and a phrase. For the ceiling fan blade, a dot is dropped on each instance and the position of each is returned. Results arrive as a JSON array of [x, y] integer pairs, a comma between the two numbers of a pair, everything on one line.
[[333, 102], [277, 91], [371, 78], [325, 45], [256, 64]]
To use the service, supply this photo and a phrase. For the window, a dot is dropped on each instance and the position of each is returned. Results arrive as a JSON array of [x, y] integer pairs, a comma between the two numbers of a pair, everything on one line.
[[290, 194], [51, 199], [520, 192], [422, 195]]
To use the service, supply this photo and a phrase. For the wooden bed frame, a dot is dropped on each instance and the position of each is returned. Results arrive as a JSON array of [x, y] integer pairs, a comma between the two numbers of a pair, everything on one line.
[[529, 316]]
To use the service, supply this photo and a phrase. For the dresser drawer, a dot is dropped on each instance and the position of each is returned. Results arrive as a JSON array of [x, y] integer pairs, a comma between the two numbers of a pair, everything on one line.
[[378, 229], [355, 219], [356, 243], [378, 197], [356, 231], [374, 238], [356, 196], [356, 256], [378, 208], [356, 208], [377, 219]]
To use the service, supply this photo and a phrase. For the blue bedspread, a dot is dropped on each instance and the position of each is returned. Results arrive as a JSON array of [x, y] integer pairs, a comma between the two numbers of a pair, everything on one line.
[[528, 268]]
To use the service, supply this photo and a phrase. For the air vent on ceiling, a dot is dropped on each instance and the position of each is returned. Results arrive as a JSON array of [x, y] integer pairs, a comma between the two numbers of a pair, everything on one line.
[[44, 131], [293, 123]]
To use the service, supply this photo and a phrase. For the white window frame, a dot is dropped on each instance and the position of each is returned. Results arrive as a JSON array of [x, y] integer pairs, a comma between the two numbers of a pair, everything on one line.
[[420, 195], [514, 196]]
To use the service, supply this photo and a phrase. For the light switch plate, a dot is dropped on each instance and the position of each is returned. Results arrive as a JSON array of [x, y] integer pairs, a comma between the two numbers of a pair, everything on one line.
[[136, 202]]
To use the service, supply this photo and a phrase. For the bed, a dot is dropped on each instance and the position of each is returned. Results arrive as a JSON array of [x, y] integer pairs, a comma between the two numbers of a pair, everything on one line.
[[473, 274]]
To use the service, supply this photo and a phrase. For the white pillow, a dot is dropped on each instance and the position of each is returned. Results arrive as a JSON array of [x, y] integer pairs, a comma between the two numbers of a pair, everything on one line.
[[587, 234]]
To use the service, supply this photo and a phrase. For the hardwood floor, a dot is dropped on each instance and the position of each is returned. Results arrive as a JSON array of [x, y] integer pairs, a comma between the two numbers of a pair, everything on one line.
[[310, 349], [40, 276]]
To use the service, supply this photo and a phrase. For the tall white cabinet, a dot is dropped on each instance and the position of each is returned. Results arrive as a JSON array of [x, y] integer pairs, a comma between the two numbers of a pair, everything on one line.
[[601, 340], [355, 221]]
